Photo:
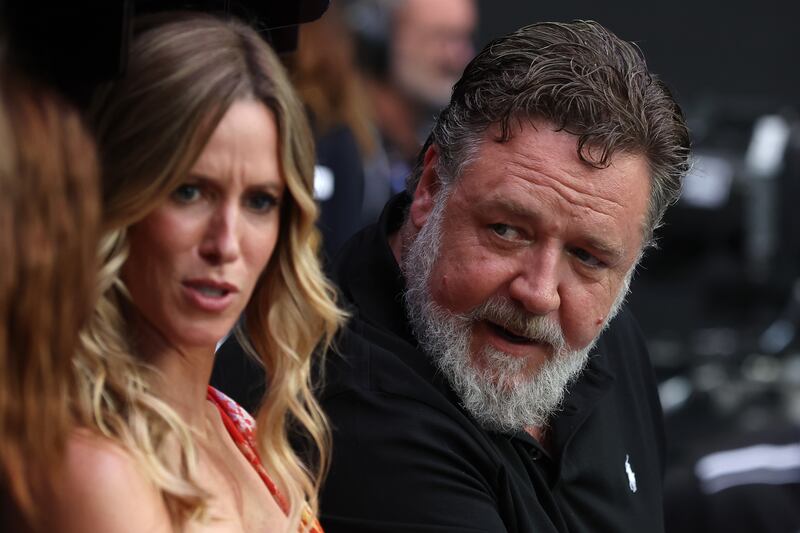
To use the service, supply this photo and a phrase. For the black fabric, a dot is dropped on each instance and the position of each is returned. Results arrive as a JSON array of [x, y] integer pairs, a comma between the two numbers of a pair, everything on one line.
[[407, 458]]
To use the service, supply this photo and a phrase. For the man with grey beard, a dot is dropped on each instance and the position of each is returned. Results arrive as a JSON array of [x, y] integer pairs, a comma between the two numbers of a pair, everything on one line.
[[473, 389], [494, 393]]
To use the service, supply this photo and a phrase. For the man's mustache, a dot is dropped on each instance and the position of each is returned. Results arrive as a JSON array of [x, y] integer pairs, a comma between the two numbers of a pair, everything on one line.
[[537, 328]]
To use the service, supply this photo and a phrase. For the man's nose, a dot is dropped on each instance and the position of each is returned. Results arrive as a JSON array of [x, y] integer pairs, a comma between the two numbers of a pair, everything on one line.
[[536, 284], [221, 240]]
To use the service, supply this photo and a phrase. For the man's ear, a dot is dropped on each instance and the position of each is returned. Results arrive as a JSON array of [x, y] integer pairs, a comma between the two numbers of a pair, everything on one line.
[[428, 186]]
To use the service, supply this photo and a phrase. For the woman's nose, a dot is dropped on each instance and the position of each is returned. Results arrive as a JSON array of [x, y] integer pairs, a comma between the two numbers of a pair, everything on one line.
[[221, 240]]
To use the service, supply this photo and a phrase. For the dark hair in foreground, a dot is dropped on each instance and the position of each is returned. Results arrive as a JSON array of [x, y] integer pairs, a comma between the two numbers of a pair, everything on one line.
[[584, 80], [49, 222]]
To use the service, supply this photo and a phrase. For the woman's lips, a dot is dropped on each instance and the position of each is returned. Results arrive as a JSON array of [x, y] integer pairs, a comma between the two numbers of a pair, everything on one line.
[[209, 295]]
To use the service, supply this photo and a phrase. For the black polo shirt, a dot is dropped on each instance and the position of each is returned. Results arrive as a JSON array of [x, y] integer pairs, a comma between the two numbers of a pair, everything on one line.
[[408, 458]]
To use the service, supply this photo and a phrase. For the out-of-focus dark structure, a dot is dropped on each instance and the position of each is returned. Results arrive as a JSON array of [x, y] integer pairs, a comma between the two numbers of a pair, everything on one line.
[[75, 45], [740, 52], [720, 300]]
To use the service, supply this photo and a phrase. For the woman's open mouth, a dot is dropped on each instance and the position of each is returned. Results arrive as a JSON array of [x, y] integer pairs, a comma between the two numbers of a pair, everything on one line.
[[209, 295]]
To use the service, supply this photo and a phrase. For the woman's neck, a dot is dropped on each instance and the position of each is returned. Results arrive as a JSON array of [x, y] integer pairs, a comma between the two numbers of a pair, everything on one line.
[[182, 374]]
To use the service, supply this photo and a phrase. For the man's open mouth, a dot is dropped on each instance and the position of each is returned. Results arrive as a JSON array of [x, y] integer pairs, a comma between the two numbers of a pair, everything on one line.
[[509, 335]]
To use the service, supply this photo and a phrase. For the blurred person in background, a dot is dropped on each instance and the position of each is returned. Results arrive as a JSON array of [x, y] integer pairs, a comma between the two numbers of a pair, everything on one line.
[[208, 220], [324, 73], [49, 224], [412, 52]]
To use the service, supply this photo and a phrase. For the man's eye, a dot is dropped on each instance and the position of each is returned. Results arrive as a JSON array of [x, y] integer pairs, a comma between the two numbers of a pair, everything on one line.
[[261, 202], [586, 258], [186, 193], [505, 231]]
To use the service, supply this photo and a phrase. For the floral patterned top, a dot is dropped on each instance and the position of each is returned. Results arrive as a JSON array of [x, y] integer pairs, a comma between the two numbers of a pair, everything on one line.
[[241, 427]]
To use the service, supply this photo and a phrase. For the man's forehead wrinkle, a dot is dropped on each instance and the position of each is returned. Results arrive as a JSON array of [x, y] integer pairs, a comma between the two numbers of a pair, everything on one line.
[[573, 189]]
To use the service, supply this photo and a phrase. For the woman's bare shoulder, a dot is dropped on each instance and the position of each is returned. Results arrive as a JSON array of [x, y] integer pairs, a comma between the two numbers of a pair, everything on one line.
[[102, 488]]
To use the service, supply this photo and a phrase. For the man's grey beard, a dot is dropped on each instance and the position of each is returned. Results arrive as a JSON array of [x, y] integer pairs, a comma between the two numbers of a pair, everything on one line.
[[497, 392]]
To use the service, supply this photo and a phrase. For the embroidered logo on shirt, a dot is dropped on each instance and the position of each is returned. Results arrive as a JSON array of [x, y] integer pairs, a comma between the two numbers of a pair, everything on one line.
[[631, 474]]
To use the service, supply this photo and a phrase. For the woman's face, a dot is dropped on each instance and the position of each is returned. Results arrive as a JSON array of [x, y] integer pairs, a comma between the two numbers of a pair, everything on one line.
[[195, 259]]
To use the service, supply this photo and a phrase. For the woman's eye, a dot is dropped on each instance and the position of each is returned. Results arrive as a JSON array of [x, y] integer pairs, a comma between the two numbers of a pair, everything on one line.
[[586, 258], [505, 231], [261, 202], [186, 193]]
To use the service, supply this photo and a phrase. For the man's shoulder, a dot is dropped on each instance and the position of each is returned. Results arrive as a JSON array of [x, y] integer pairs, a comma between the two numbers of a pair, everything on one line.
[[372, 372], [623, 339], [375, 351], [623, 351], [378, 388], [403, 450], [624, 327], [369, 358]]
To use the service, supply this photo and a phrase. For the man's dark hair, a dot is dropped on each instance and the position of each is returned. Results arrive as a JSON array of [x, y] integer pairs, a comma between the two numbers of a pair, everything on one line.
[[583, 79]]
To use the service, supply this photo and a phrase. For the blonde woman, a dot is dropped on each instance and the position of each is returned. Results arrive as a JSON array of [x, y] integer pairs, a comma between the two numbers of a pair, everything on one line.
[[208, 216], [49, 220]]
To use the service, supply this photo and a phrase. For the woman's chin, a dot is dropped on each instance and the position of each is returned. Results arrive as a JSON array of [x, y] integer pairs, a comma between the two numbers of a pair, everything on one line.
[[199, 338]]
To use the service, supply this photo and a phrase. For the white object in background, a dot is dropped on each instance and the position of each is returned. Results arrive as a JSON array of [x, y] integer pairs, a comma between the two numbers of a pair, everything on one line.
[[762, 464], [323, 183], [764, 156], [708, 183]]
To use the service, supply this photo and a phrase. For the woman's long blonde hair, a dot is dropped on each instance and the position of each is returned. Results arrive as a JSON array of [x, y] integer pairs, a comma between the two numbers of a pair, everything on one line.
[[49, 222], [185, 71]]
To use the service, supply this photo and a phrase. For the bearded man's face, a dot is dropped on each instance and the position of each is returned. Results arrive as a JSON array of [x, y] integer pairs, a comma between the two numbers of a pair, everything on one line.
[[518, 266]]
